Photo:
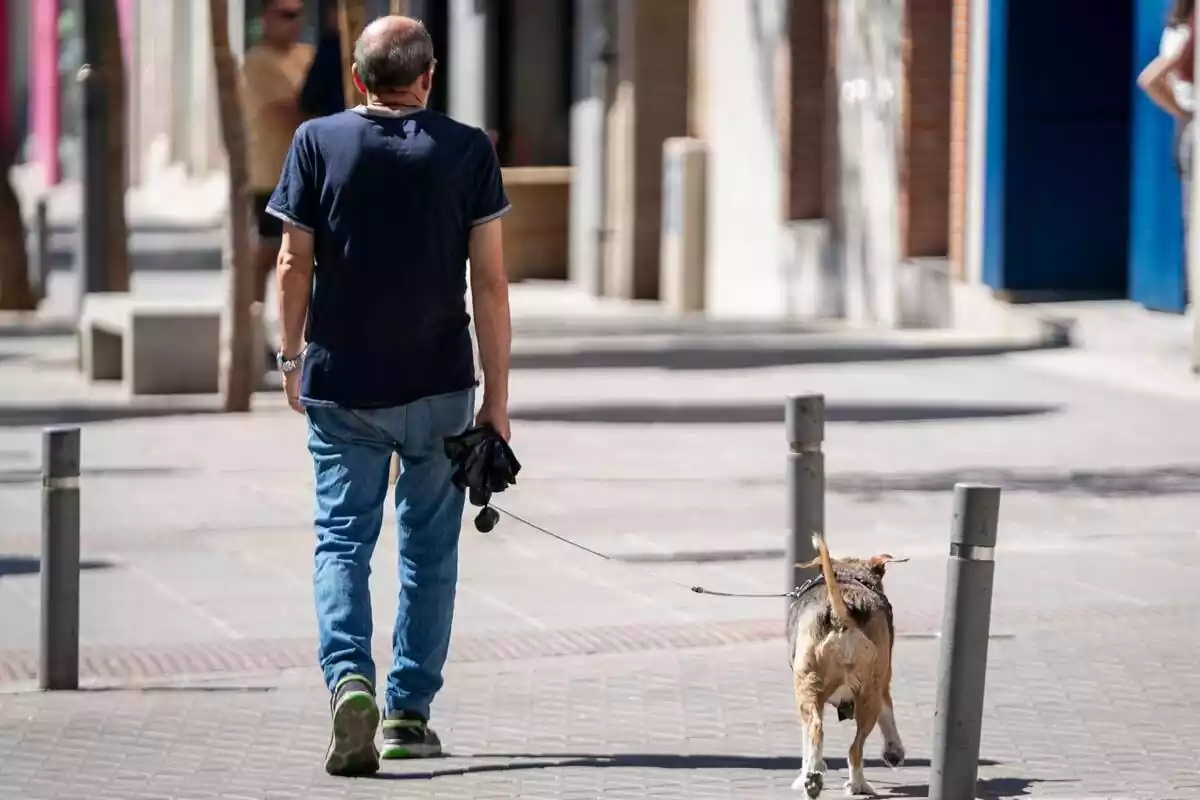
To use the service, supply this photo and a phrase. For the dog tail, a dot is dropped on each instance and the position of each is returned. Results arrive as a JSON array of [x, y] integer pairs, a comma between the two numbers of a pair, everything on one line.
[[836, 602]]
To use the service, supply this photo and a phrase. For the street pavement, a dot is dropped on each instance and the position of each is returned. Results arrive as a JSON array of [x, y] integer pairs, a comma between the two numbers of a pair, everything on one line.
[[573, 676]]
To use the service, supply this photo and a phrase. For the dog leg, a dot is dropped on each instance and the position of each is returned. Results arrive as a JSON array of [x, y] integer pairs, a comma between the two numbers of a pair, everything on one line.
[[893, 745], [812, 774], [866, 714]]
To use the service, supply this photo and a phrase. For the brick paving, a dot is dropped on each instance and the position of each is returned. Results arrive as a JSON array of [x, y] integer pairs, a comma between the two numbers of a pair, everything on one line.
[[572, 677], [1062, 721]]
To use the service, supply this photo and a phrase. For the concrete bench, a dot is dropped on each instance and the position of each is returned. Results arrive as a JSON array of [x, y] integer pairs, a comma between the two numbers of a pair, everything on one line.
[[155, 346], [536, 231]]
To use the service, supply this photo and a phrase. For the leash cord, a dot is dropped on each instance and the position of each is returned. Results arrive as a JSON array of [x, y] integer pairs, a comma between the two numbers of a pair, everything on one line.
[[694, 589]]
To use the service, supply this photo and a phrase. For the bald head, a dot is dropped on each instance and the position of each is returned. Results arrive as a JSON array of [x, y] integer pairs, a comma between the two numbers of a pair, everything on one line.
[[392, 54]]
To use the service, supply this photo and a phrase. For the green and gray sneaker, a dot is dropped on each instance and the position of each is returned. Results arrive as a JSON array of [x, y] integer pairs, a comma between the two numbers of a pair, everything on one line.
[[409, 736], [352, 749]]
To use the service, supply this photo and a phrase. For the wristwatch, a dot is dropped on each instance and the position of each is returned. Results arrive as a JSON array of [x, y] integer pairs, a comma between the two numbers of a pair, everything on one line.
[[287, 365]]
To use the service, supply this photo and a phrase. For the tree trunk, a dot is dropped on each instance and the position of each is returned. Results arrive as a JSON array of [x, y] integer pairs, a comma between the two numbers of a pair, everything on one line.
[[112, 76], [15, 292], [238, 363], [352, 18]]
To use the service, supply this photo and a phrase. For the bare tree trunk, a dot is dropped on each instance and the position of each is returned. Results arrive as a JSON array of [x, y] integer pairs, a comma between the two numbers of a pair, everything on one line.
[[15, 292], [352, 18], [116, 183], [238, 377]]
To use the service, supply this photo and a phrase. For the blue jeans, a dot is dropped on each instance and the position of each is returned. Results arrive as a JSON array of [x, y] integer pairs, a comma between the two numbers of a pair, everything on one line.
[[351, 450]]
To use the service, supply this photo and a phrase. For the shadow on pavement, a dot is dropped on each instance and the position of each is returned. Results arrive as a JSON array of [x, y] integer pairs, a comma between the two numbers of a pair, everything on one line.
[[985, 789], [181, 259], [31, 565], [729, 358], [751, 413], [1166, 480], [528, 761], [34, 475], [82, 413]]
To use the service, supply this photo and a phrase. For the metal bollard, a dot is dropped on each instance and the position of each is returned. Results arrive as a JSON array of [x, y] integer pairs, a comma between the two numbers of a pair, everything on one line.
[[58, 664], [958, 716], [804, 416], [41, 249]]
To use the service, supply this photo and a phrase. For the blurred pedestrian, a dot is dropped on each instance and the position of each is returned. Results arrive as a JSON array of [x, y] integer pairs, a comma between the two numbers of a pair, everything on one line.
[[1168, 81], [323, 92], [382, 207], [274, 70]]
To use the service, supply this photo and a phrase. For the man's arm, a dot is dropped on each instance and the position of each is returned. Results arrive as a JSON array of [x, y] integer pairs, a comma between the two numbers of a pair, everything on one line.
[[1157, 78], [493, 325], [295, 201], [294, 275]]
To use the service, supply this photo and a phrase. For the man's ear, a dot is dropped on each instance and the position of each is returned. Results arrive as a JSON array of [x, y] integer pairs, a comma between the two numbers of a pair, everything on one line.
[[358, 81], [879, 563]]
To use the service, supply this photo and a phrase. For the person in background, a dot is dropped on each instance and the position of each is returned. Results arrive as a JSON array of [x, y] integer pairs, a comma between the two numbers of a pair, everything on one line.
[[1168, 82], [323, 94], [273, 72]]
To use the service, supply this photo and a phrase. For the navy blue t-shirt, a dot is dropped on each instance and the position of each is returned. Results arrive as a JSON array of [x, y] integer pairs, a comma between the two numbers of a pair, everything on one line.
[[390, 199]]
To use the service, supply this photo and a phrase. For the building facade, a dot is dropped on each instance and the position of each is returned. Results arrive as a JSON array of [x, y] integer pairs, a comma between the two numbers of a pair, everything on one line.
[[865, 159]]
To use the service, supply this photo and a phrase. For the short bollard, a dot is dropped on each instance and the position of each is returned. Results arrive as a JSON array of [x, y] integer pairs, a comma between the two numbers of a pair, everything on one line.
[[804, 416], [41, 250], [966, 620], [58, 664]]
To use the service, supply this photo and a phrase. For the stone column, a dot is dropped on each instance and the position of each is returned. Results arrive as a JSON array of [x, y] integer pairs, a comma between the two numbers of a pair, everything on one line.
[[471, 75], [592, 48], [649, 107]]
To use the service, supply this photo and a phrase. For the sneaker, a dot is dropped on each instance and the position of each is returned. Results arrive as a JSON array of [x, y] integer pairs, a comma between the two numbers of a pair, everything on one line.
[[352, 750], [409, 736]]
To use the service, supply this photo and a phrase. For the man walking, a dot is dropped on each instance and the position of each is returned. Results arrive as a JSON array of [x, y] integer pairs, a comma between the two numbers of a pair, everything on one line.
[[382, 206]]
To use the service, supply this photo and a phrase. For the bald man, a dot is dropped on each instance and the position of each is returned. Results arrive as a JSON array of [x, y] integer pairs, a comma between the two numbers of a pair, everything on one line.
[[382, 206]]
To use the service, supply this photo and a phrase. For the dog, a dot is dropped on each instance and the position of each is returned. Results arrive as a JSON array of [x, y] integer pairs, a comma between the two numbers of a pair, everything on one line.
[[840, 643]]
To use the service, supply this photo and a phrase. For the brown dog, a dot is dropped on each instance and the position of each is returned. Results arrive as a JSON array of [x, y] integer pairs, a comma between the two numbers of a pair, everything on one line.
[[841, 654]]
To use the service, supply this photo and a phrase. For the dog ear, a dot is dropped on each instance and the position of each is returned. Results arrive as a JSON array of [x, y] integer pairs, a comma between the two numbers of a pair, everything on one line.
[[879, 563]]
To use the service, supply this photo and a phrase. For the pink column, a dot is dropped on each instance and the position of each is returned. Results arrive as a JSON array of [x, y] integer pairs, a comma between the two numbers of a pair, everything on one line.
[[43, 96], [125, 21], [6, 117]]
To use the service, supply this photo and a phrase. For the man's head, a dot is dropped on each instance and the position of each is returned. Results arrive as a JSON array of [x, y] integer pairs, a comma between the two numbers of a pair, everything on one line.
[[282, 21], [394, 55]]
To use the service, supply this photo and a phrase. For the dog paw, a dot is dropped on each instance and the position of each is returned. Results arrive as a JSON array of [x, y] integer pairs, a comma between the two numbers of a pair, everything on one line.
[[859, 788], [811, 782], [893, 754]]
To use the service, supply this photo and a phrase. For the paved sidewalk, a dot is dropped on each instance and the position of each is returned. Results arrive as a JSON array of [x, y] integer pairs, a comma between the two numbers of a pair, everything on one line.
[[572, 676]]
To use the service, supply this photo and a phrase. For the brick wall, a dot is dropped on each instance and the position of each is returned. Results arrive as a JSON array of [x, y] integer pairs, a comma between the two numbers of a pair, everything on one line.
[[925, 116], [803, 82], [960, 78]]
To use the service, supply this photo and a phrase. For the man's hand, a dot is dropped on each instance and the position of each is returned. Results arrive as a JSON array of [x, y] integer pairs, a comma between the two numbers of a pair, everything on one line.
[[291, 389], [495, 414]]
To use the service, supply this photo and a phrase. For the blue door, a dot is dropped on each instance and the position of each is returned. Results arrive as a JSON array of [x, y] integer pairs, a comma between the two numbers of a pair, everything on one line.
[[1057, 172], [1156, 252]]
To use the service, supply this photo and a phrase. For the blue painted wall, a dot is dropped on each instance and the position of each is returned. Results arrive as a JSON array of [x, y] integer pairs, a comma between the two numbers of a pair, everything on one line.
[[1156, 251], [1056, 214]]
